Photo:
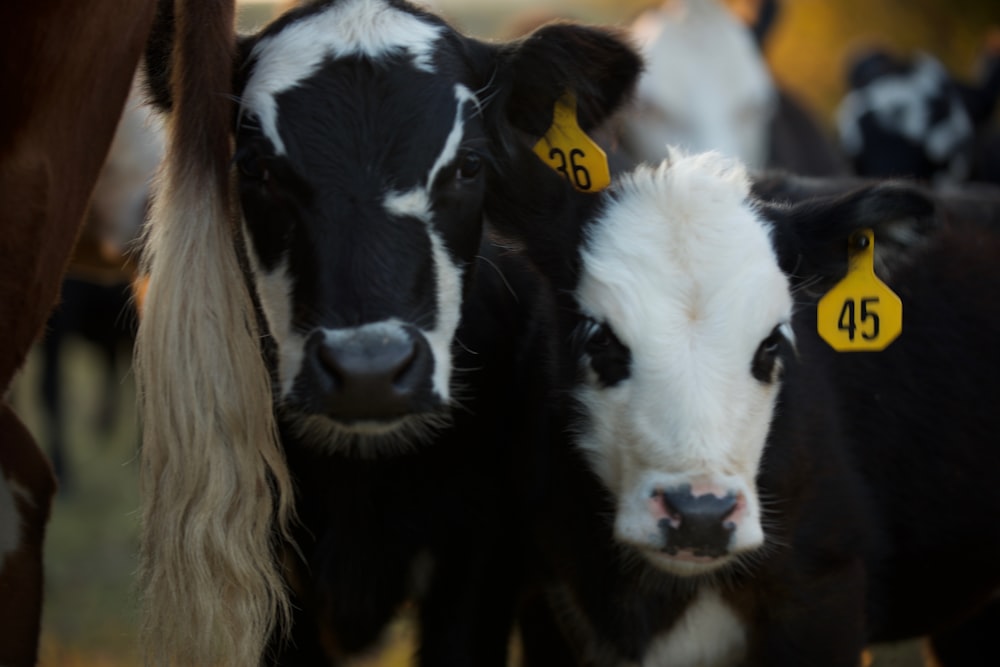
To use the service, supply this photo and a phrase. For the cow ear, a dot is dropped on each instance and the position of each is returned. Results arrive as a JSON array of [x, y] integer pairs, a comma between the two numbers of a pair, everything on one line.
[[811, 237], [597, 65]]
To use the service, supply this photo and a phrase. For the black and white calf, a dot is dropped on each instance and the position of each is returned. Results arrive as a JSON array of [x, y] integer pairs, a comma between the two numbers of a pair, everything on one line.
[[734, 491], [334, 364]]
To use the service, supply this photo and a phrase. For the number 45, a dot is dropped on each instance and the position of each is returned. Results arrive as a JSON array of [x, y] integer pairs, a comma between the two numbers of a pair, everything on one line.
[[847, 321]]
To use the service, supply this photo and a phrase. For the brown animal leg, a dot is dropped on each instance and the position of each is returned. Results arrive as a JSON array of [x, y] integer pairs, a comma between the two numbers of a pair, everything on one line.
[[27, 478]]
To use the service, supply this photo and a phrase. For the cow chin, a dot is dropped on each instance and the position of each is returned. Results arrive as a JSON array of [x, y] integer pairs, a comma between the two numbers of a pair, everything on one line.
[[685, 563], [369, 438]]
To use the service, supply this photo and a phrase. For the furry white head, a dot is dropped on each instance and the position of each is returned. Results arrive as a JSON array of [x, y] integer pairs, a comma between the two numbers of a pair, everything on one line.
[[706, 85], [680, 272]]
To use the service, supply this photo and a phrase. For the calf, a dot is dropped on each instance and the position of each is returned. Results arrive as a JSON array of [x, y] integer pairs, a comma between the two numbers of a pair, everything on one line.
[[733, 490], [909, 117], [334, 365], [707, 86]]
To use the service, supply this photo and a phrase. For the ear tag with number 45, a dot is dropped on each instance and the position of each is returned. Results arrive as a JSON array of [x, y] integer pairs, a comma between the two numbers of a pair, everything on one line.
[[860, 313], [567, 149]]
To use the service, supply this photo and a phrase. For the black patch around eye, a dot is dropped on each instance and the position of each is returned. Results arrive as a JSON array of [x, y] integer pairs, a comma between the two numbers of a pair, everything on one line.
[[765, 359], [610, 359]]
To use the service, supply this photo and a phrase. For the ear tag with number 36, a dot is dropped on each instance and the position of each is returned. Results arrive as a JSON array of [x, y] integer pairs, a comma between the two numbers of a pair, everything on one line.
[[567, 149], [860, 313]]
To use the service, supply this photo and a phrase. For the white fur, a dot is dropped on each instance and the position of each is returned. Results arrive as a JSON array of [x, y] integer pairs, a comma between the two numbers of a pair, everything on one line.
[[709, 634], [449, 302], [274, 288], [706, 85], [683, 270], [369, 28], [454, 140]]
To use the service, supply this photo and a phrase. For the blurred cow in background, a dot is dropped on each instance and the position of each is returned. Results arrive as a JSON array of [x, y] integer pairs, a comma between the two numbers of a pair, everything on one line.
[[96, 303], [708, 87], [908, 116]]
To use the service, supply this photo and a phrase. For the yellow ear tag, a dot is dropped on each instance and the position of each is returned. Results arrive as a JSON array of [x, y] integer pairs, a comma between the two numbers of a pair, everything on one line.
[[860, 313], [567, 149]]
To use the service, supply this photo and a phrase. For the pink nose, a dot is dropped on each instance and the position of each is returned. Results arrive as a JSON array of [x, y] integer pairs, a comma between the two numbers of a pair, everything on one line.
[[699, 523]]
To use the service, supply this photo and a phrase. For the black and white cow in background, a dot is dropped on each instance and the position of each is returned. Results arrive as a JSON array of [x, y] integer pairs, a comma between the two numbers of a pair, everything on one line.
[[334, 367], [909, 117], [734, 491], [707, 86]]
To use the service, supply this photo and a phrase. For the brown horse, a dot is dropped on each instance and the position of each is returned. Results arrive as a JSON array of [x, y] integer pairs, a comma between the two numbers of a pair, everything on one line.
[[66, 70]]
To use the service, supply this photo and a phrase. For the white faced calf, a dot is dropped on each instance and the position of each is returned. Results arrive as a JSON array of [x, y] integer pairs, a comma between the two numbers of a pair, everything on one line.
[[787, 504]]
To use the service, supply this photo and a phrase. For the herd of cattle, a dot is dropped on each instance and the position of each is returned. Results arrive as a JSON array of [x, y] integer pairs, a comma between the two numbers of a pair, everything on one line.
[[388, 359]]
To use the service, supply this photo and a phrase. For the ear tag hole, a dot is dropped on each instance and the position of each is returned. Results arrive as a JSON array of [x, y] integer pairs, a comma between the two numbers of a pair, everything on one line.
[[861, 313], [568, 150]]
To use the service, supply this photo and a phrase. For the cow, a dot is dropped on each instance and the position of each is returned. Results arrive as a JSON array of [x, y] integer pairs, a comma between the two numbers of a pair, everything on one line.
[[330, 353], [731, 489], [719, 97], [67, 70], [909, 117]]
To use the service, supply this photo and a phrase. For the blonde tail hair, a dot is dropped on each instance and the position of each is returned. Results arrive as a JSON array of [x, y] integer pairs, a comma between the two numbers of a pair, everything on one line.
[[216, 491]]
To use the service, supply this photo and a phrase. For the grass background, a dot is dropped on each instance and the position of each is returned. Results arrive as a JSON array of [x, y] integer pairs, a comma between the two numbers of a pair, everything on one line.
[[90, 606]]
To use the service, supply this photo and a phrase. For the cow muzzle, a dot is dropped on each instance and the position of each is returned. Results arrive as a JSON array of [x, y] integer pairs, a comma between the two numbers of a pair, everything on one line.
[[375, 372], [688, 526]]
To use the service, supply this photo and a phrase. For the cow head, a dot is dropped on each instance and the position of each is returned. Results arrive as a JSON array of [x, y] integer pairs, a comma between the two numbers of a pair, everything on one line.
[[905, 118], [706, 86], [678, 312], [363, 134]]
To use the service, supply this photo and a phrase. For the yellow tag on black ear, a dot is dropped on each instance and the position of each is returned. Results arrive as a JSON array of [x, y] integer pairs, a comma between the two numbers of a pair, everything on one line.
[[860, 313], [567, 149]]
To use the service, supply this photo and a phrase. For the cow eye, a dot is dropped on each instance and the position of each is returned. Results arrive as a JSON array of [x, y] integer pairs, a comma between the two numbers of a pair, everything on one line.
[[610, 359], [469, 166], [253, 168], [765, 359]]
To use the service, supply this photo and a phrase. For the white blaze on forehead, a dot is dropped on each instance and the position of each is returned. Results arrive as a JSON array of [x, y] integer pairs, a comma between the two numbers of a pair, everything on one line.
[[684, 272], [370, 28]]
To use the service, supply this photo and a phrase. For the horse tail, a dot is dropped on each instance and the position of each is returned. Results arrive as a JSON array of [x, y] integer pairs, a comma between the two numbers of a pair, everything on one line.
[[216, 491]]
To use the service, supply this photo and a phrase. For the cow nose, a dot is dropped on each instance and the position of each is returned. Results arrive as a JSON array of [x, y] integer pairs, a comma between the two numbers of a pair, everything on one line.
[[373, 374], [697, 523]]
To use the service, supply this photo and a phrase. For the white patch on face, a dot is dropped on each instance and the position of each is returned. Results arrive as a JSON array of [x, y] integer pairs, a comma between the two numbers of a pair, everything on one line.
[[416, 203], [10, 518], [684, 272], [274, 289], [709, 634], [706, 85], [369, 28]]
